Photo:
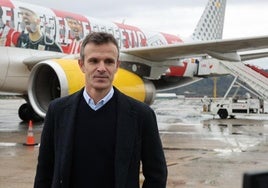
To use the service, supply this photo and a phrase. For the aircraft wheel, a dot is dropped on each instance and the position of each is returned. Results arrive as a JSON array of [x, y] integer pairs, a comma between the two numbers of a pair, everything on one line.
[[27, 113], [223, 113]]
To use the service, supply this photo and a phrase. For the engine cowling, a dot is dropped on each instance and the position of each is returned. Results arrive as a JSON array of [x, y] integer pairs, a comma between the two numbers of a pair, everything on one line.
[[51, 79]]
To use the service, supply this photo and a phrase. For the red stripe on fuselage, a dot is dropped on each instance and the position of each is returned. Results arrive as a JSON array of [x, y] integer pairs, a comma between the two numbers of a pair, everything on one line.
[[172, 39], [7, 3]]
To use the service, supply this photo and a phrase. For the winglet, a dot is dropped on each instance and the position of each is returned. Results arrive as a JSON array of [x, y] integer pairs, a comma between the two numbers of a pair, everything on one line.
[[210, 25]]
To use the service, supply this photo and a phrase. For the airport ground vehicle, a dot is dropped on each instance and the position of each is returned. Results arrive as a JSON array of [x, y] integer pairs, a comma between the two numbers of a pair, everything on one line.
[[235, 105]]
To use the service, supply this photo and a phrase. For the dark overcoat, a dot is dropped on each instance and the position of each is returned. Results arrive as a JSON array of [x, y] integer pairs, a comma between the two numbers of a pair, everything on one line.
[[137, 141]]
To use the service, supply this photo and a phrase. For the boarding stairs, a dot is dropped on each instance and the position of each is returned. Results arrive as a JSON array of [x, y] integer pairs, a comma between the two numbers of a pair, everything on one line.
[[255, 80], [261, 71]]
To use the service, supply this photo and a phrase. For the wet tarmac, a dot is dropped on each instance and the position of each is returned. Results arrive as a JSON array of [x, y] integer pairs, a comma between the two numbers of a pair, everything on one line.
[[200, 151]]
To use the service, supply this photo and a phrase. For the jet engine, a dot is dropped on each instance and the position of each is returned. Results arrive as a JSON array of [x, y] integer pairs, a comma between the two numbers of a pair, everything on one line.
[[51, 79]]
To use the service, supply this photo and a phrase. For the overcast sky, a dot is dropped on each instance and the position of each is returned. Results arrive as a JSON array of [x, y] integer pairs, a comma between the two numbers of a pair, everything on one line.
[[243, 18]]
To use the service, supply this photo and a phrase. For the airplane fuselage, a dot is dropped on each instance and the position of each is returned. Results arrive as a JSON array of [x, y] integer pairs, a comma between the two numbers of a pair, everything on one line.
[[60, 31]]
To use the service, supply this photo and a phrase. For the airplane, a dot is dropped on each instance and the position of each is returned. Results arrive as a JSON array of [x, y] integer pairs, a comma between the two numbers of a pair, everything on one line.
[[40, 46]]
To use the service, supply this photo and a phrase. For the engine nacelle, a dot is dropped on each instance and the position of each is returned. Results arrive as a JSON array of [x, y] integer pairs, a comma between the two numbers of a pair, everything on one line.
[[60, 77]]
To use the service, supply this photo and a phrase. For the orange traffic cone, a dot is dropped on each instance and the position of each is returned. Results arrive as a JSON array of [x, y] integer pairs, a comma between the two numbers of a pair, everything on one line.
[[30, 137]]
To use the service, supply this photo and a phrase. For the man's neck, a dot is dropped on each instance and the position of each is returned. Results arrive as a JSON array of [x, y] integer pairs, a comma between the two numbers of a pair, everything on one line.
[[97, 95], [35, 36]]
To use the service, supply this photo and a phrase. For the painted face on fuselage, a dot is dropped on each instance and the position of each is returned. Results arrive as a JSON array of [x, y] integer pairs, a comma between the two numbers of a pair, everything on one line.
[[76, 28], [99, 66], [30, 20]]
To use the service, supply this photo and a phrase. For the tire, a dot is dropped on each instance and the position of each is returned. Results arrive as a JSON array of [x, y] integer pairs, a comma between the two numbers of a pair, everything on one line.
[[27, 113], [223, 113]]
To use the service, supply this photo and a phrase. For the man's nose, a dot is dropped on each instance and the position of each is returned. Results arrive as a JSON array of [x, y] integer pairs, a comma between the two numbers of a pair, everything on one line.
[[101, 66]]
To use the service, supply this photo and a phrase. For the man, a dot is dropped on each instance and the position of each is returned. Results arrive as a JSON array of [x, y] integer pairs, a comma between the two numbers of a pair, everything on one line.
[[76, 34], [98, 136], [34, 38]]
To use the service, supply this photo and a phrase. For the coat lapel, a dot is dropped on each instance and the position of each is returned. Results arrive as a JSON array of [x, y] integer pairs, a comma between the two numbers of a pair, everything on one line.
[[125, 138], [67, 134]]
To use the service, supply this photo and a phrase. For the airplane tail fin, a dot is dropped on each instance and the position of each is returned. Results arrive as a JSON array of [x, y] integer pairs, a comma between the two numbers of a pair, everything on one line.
[[210, 25]]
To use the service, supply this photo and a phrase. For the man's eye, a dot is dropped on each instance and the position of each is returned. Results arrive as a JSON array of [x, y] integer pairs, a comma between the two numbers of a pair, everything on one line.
[[94, 61], [109, 61]]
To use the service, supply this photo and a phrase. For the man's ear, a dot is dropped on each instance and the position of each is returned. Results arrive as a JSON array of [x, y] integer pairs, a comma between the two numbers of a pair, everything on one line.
[[81, 64], [118, 63]]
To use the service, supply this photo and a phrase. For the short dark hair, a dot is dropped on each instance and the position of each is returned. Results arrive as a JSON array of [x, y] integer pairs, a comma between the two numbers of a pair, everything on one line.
[[97, 38]]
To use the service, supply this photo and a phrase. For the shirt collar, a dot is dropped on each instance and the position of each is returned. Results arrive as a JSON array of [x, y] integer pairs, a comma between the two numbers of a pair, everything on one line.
[[101, 103]]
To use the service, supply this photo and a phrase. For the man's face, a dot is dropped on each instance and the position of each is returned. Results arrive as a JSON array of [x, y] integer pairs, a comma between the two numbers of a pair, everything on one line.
[[99, 66], [75, 26], [30, 20]]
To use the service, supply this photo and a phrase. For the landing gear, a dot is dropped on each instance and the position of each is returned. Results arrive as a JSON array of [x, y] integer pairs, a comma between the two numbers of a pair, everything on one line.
[[27, 113]]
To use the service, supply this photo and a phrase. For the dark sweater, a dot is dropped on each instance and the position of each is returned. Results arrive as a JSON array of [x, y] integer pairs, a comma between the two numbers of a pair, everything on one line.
[[94, 146]]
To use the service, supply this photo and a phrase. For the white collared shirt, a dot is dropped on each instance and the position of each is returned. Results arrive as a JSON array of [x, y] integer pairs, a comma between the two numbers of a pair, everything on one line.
[[101, 103]]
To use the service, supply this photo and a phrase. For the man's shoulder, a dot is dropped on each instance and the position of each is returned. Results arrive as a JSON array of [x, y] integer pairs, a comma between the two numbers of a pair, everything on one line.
[[127, 100], [67, 100]]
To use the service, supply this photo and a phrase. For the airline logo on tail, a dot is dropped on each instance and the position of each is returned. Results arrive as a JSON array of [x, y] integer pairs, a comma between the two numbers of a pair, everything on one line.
[[210, 25]]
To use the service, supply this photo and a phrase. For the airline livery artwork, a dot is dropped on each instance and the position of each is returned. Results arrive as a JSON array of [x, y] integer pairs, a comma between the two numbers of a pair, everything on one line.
[[53, 30]]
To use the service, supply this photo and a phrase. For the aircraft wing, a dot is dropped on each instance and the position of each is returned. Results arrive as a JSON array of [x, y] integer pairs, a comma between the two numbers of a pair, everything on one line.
[[35, 56], [222, 49], [253, 55], [30, 57]]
